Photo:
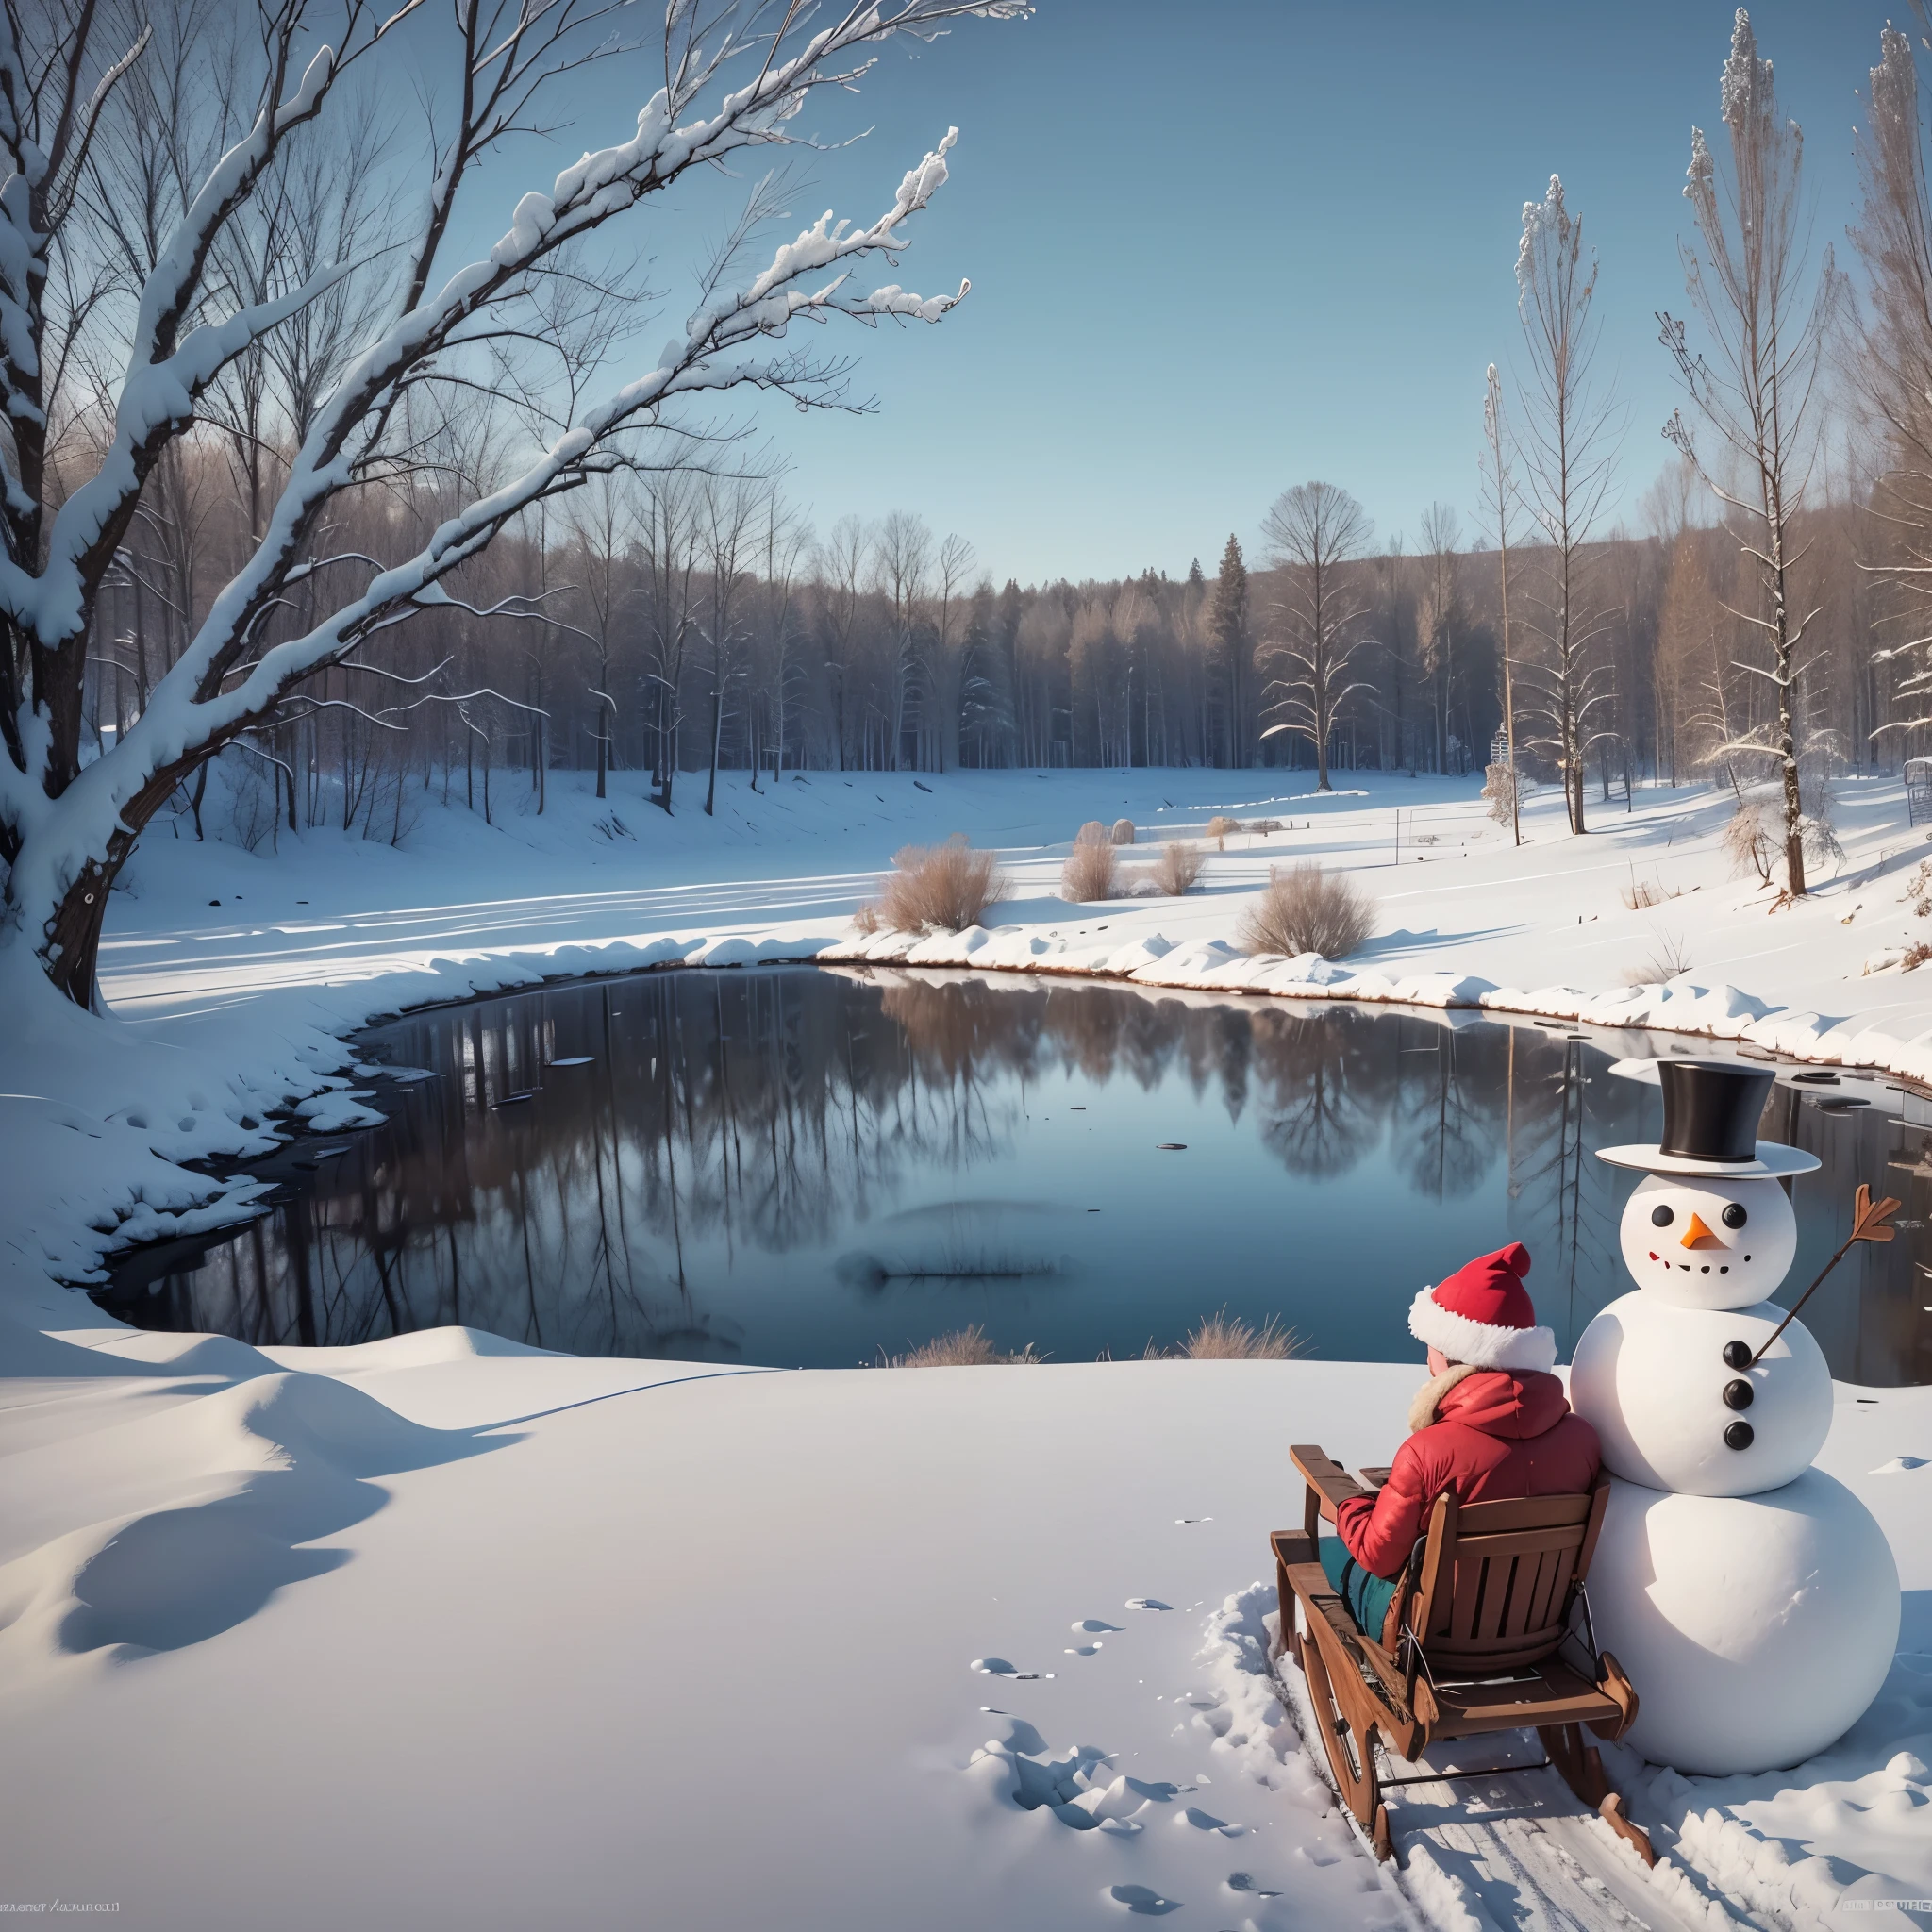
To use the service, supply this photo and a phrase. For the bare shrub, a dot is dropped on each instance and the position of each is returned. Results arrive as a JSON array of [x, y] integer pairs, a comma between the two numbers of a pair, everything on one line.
[[1092, 871], [1124, 831], [1670, 957], [1509, 790], [1177, 869], [1749, 841], [1916, 955], [1225, 1337], [1263, 828], [1304, 910], [1919, 890], [964, 1348], [1092, 833], [1218, 829], [1640, 894], [936, 888]]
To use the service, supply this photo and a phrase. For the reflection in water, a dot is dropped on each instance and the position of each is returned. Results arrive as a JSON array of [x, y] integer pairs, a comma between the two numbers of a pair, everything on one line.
[[792, 1165]]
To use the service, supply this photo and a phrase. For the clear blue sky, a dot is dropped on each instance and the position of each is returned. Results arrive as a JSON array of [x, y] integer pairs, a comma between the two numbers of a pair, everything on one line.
[[1221, 248]]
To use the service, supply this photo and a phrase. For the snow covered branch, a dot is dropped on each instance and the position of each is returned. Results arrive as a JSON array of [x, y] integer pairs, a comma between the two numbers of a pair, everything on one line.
[[66, 825]]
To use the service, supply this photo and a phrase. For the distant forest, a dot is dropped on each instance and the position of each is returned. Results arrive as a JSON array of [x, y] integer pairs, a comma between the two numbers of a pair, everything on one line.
[[689, 626]]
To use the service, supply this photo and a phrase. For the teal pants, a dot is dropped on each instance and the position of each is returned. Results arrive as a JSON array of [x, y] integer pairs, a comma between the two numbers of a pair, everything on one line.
[[1366, 1594]]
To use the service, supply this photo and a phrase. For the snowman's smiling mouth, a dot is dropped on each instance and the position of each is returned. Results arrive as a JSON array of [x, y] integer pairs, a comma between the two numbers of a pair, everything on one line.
[[1685, 1266]]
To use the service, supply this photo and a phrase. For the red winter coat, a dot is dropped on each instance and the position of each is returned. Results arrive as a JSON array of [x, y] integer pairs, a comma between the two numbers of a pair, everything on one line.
[[1498, 1434]]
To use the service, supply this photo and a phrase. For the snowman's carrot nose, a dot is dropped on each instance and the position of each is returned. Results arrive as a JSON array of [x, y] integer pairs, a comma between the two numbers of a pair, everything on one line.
[[1698, 1236]]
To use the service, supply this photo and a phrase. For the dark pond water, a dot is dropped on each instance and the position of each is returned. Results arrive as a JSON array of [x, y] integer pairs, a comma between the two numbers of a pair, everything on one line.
[[808, 1167]]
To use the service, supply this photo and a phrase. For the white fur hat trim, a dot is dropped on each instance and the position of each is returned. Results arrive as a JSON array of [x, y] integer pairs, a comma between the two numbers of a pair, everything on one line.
[[1479, 1342]]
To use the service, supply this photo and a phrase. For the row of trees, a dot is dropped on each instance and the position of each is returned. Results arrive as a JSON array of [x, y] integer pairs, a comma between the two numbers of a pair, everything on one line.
[[292, 483]]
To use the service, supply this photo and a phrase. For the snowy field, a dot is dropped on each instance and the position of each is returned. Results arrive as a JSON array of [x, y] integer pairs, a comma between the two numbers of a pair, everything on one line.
[[443, 1632]]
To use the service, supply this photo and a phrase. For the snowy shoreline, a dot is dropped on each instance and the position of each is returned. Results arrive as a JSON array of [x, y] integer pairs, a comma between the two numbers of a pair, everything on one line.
[[248, 1011]]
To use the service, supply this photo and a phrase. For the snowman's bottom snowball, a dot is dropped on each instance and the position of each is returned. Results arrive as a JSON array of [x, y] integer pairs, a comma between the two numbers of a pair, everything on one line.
[[1756, 1629]]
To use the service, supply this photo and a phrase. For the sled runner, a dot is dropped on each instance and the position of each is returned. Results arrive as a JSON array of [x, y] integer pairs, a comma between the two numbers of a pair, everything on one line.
[[1482, 1610]]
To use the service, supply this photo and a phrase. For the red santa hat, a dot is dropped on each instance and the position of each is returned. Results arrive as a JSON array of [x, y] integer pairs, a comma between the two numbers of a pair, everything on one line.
[[1482, 1314]]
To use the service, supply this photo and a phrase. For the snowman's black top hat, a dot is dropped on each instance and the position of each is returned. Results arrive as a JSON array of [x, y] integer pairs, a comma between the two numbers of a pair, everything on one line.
[[1711, 1110]]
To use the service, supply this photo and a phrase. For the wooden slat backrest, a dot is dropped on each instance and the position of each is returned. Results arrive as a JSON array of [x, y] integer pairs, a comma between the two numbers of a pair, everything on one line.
[[1495, 1577]]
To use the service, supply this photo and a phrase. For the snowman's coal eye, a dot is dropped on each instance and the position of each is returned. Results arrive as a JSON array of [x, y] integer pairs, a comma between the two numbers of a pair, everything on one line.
[[1661, 1216], [1733, 1216]]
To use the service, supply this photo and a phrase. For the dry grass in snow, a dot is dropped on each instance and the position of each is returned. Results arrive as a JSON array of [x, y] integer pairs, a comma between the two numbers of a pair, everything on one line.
[[1304, 910], [964, 1348], [1124, 831], [1227, 1337], [1669, 956], [936, 889]]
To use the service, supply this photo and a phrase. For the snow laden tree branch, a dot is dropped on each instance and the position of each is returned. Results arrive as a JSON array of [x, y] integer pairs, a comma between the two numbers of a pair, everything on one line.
[[735, 78]]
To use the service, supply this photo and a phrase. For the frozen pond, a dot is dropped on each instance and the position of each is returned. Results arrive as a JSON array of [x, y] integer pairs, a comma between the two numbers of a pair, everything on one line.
[[808, 1167]]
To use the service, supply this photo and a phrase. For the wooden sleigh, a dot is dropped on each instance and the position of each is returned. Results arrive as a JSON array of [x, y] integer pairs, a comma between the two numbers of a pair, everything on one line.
[[1484, 1607]]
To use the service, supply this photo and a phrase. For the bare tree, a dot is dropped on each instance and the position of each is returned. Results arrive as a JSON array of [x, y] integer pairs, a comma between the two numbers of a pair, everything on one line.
[[952, 570], [1767, 338], [597, 548], [1568, 456], [1499, 492], [667, 536], [1889, 359], [902, 572], [1315, 534], [1440, 615], [733, 80], [841, 572], [730, 517]]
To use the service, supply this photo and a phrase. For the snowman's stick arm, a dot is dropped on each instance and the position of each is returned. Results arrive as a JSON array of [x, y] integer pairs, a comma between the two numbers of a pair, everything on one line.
[[1870, 1222]]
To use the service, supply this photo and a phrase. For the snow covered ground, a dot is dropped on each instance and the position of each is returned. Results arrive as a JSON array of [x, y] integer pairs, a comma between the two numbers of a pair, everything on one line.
[[443, 1632], [440, 1633]]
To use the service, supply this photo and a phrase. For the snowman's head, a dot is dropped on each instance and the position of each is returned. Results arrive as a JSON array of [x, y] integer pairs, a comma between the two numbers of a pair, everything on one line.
[[1708, 1242]]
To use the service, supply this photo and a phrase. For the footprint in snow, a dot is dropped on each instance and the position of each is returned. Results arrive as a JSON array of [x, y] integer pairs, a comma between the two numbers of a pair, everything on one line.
[[1097, 1626], [1142, 1899], [1147, 1603], [1194, 1519], [1899, 1465], [999, 1667], [1243, 1881], [1083, 1650], [1205, 1820]]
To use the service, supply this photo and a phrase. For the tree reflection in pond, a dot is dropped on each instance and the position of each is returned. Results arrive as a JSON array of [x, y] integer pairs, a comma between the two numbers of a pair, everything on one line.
[[791, 1165]]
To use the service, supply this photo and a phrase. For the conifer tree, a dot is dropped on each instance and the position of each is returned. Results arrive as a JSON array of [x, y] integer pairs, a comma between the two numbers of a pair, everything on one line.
[[1227, 624]]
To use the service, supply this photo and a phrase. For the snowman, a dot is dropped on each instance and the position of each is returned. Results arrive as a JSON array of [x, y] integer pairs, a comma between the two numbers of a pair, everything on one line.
[[1753, 1600]]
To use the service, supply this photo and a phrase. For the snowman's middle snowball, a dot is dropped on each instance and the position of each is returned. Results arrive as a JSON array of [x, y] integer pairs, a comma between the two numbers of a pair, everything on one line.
[[1651, 1377]]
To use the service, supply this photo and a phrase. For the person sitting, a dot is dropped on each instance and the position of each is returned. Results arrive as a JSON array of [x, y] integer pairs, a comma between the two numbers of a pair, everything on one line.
[[1491, 1423]]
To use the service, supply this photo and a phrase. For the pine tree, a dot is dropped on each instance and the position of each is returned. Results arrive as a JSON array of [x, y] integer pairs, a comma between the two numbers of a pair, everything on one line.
[[1227, 624]]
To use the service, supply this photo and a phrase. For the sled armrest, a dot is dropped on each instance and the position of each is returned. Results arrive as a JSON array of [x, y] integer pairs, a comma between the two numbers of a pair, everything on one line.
[[1329, 1484]]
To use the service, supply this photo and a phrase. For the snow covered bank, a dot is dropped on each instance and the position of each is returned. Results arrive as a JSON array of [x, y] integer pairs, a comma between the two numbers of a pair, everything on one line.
[[830, 1649], [235, 977]]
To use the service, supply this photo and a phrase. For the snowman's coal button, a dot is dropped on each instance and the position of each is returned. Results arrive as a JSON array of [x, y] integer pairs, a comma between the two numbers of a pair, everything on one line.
[[1739, 1394], [1737, 1355], [1739, 1435]]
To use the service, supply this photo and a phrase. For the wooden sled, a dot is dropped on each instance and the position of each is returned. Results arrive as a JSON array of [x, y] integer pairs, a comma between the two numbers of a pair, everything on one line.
[[1483, 1608]]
